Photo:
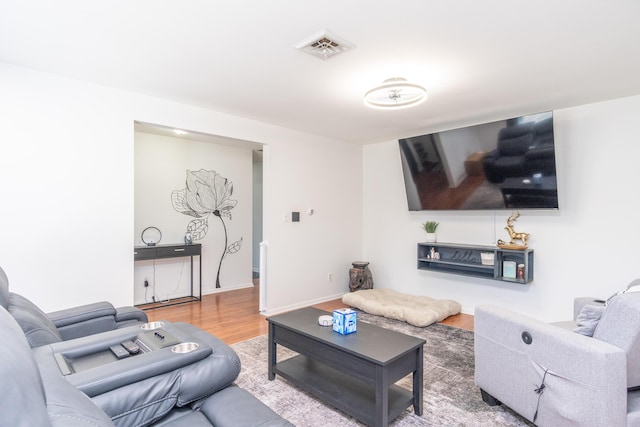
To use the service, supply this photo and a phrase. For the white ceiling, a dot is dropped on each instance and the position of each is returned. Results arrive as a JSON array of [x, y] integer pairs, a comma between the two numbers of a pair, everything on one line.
[[479, 60]]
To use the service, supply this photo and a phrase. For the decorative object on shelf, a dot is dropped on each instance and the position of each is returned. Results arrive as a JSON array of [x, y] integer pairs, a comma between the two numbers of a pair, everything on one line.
[[522, 237], [430, 228], [509, 269], [487, 258], [360, 276], [151, 236], [206, 193], [188, 239]]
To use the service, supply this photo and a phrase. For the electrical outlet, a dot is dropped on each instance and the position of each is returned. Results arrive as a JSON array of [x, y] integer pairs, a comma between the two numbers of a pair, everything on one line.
[[330, 277]]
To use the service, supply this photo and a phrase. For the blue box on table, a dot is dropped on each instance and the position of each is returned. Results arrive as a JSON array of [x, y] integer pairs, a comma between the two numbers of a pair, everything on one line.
[[345, 320]]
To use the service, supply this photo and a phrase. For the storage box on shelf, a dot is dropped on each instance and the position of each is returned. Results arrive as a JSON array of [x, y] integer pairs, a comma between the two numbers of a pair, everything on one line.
[[475, 260]]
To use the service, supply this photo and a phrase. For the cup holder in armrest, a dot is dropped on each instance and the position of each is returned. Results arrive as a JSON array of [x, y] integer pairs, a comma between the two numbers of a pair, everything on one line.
[[152, 325], [185, 347]]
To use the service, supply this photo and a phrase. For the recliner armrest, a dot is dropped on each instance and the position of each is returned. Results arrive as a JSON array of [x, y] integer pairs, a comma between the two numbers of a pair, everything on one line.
[[84, 320], [125, 315], [81, 313], [119, 373], [131, 370]]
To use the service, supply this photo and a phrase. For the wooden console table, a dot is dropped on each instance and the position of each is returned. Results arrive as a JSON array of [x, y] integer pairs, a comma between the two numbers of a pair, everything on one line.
[[142, 253]]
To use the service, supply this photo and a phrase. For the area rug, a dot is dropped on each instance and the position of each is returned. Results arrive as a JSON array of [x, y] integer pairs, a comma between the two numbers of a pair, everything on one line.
[[450, 395]]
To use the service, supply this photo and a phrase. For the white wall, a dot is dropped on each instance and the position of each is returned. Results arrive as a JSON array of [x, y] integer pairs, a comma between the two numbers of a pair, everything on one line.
[[588, 247], [325, 178], [67, 174], [160, 165], [66, 182]]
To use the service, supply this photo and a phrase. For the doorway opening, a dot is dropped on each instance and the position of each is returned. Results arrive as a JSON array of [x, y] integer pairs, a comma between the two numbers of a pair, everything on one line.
[[193, 185]]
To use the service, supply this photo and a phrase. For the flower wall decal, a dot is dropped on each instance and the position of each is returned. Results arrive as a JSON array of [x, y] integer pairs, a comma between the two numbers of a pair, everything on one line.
[[207, 193]]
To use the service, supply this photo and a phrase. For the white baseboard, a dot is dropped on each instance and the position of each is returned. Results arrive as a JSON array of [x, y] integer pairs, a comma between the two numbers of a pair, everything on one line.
[[226, 289]]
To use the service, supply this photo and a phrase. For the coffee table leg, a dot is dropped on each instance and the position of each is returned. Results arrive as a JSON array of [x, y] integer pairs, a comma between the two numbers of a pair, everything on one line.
[[382, 397], [417, 382], [271, 352]]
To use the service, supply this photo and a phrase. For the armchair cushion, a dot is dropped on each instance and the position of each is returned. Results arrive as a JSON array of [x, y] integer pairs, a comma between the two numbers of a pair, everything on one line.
[[588, 319]]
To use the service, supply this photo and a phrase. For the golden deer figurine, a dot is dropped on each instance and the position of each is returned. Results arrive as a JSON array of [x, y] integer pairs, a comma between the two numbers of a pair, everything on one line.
[[512, 234]]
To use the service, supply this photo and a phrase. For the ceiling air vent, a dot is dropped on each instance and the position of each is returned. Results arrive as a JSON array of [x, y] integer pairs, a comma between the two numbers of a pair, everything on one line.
[[324, 45]]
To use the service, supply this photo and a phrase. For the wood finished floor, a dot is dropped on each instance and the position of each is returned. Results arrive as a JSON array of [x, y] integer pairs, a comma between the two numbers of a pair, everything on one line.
[[233, 316]]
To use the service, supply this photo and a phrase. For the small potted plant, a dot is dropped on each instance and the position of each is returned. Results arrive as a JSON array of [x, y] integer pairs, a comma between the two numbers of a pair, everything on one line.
[[430, 227]]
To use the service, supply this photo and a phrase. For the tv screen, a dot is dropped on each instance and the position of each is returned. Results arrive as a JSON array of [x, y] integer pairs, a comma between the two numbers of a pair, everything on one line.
[[508, 164]]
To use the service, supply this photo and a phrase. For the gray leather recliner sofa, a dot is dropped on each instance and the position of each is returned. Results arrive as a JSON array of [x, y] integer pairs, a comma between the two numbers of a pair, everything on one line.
[[45, 328], [554, 376], [75, 383]]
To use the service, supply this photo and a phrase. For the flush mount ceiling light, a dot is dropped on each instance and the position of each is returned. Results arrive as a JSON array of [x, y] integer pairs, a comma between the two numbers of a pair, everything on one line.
[[324, 45], [395, 93]]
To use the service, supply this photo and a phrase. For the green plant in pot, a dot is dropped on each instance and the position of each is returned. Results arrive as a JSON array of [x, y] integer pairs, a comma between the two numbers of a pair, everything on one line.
[[430, 228]]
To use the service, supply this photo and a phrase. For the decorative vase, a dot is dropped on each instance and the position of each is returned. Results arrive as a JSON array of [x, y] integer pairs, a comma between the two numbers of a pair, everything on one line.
[[432, 238]]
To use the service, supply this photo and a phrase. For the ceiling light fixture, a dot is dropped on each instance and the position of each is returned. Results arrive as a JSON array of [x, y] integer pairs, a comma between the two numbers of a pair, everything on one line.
[[395, 93]]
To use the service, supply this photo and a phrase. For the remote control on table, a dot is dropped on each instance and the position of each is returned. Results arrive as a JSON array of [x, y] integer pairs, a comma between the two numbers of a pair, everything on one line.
[[119, 351], [131, 347]]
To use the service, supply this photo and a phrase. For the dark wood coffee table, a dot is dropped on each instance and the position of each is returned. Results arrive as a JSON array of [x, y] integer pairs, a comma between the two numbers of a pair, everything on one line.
[[355, 373]]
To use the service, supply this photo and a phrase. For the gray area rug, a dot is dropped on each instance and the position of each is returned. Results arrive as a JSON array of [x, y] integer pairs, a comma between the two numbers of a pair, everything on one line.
[[450, 395]]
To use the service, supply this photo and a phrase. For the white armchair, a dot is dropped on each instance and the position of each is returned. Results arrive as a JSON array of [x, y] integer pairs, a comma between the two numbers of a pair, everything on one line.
[[553, 376]]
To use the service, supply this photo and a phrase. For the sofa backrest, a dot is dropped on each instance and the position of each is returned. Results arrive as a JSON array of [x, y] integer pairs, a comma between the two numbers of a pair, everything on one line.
[[34, 395], [35, 324], [620, 326], [23, 399]]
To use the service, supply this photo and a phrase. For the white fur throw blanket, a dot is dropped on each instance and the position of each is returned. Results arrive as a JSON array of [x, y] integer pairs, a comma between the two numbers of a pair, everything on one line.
[[415, 310]]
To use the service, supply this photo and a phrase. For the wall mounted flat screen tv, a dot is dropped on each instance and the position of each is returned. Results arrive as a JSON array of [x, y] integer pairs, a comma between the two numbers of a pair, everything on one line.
[[508, 164]]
